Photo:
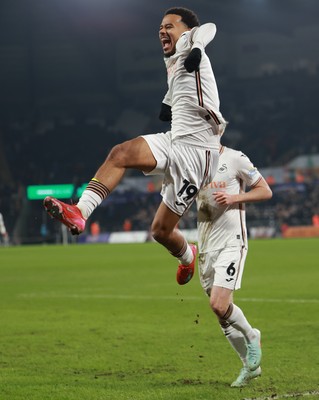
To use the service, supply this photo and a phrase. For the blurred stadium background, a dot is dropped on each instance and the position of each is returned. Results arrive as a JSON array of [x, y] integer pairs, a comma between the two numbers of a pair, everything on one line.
[[79, 76]]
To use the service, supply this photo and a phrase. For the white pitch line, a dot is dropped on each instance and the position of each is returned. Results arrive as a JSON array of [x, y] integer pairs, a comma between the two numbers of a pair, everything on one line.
[[285, 396], [154, 297], [279, 300], [107, 296]]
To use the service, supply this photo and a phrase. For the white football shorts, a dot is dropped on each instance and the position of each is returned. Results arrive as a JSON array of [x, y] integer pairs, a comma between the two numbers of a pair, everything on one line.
[[222, 268], [186, 165]]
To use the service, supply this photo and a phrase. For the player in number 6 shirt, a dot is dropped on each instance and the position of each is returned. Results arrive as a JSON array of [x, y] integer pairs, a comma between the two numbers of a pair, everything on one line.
[[222, 243]]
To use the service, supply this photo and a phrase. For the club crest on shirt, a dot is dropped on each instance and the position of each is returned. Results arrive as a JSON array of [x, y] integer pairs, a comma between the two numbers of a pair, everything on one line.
[[222, 169]]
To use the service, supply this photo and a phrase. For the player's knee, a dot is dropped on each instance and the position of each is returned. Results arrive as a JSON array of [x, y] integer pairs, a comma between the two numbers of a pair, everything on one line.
[[118, 155], [159, 232], [219, 308]]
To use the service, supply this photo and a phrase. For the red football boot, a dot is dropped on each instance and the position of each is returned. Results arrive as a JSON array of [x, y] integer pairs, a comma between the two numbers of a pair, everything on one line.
[[68, 214], [186, 272]]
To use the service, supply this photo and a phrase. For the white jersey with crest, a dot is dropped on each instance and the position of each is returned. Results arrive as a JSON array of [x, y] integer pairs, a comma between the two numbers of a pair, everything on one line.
[[223, 226], [193, 96]]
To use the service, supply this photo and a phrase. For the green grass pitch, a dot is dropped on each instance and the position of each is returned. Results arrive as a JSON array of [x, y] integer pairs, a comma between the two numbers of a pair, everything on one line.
[[100, 322]]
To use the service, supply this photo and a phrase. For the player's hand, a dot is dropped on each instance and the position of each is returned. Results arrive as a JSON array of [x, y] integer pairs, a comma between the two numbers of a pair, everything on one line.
[[166, 113], [223, 198], [193, 60]]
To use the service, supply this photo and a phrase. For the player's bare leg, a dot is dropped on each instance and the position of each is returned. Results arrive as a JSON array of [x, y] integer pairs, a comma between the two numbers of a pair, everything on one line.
[[220, 299], [164, 231], [237, 330], [134, 153]]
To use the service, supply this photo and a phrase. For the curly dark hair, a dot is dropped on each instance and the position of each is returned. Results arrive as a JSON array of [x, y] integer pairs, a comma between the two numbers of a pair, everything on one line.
[[188, 16]]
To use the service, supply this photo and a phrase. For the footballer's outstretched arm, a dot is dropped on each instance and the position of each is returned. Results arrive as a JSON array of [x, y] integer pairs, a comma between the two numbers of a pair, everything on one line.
[[200, 37], [203, 35]]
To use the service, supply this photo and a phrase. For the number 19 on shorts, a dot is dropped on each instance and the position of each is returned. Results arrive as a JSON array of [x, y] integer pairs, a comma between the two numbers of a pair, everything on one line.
[[187, 191]]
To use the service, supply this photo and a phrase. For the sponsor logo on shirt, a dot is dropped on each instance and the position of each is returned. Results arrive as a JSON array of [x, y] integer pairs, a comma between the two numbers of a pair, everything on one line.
[[252, 172], [216, 185]]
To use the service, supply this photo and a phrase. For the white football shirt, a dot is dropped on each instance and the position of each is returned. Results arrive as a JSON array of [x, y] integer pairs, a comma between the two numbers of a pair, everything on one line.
[[221, 226], [193, 96]]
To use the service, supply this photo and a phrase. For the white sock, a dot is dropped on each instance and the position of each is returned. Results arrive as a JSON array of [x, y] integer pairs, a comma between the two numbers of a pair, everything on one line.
[[238, 320], [88, 203], [187, 257], [237, 341]]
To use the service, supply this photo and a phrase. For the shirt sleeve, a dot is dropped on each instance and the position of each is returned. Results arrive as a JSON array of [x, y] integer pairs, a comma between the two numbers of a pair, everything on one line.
[[246, 170], [167, 99], [202, 35]]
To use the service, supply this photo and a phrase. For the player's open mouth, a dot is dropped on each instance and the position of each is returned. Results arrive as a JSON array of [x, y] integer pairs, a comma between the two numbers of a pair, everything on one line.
[[166, 43]]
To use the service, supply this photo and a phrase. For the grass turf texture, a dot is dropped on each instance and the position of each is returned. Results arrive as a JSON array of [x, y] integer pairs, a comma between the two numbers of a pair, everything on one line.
[[110, 322]]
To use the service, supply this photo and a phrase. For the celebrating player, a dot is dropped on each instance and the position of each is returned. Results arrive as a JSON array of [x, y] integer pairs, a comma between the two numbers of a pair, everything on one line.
[[186, 156], [223, 248]]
